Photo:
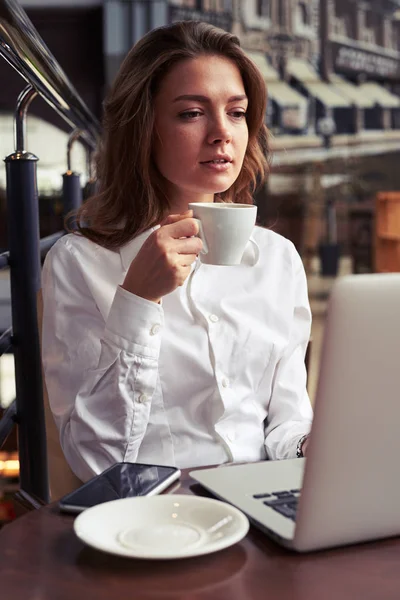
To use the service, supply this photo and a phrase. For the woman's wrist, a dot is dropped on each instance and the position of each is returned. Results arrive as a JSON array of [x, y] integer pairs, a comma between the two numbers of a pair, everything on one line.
[[126, 285]]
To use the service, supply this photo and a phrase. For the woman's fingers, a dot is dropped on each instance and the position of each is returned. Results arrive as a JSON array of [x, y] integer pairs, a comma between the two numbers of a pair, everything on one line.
[[182, 228], [168, 254], [179, 236], [192, 245], [174, 218], [188, 259]]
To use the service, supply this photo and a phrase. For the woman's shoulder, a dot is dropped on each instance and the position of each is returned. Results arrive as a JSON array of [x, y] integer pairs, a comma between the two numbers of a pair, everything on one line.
[[267, 238], [76, 249], [274, 246], [78, 245]]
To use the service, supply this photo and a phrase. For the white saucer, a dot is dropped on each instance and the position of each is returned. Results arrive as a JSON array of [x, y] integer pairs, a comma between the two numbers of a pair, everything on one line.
[[160, 527]]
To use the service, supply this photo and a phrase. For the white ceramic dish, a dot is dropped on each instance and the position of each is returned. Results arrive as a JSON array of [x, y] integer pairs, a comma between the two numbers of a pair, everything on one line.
[[161, 527]]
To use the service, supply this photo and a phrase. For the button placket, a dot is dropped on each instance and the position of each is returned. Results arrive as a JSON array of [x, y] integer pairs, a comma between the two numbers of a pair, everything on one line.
[[211, 321]]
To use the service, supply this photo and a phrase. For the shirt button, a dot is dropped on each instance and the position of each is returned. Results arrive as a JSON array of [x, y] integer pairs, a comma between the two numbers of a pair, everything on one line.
[[143, 398], [225, 382], [155, 329], [213, 318]]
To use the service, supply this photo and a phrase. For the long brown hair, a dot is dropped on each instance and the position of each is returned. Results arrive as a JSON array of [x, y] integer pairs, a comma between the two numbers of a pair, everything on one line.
[[131, 193]]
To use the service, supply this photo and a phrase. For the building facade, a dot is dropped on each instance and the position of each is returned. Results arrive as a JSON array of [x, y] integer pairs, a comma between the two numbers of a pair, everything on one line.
[[362, 39], [217, 12], [342, 56], [331, 68], [360, 45], [287, 27], [274, 32]]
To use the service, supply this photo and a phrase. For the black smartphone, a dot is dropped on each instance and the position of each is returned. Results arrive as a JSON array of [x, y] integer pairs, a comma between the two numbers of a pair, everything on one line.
[[122, 480]]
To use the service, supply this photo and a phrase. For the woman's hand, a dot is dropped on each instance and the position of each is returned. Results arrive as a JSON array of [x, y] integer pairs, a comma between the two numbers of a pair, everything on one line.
[[164, 261]]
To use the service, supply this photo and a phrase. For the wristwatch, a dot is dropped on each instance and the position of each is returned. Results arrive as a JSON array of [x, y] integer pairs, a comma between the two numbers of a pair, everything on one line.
[[299, 449]]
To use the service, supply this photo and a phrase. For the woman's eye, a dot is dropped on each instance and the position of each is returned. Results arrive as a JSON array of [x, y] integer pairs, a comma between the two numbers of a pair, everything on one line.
[[238, 114], [190, 114]]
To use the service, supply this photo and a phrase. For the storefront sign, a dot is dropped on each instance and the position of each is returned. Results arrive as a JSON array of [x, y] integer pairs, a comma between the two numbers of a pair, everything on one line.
[[347, 58], [182, 13]]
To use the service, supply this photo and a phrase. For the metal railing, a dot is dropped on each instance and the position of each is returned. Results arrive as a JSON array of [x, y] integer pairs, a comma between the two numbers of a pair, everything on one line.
[[22, 47]]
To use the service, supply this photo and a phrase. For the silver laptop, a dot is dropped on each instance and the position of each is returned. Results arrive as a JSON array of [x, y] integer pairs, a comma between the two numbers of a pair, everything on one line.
[[348, 489]]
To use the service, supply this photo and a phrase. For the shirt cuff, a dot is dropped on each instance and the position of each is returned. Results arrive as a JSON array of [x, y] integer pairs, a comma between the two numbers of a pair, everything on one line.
[[279, 448], [291, 445], [134, 321]]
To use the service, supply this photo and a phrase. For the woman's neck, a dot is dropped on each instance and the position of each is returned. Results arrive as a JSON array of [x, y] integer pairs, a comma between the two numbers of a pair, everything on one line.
[[179, 202]]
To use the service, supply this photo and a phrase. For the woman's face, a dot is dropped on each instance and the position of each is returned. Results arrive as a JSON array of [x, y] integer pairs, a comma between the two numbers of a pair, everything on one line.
[[201, 132]]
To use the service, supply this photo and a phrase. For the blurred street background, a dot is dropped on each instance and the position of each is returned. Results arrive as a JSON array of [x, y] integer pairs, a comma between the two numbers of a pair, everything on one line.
[[332, 70]]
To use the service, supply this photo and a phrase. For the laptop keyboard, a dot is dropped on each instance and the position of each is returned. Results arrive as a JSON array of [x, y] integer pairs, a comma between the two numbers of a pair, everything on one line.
[[284, 502]]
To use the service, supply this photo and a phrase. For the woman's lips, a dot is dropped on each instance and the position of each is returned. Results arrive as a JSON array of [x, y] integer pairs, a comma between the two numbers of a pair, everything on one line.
[[219, 167]]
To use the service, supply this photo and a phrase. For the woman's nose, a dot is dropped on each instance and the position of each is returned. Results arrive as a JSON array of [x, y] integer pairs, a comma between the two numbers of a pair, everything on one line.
[[219, 133]]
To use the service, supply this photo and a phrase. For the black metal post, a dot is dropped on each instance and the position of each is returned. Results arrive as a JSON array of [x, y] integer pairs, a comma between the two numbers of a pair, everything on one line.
[[72, 190], [45, 244], [91, 184], [25, 273], [326, 45], [327, 141], [72, 194]]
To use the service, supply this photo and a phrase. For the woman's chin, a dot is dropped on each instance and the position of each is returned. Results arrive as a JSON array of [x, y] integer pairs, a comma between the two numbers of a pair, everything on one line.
[[202, 193], [217, 189], [215, 183]]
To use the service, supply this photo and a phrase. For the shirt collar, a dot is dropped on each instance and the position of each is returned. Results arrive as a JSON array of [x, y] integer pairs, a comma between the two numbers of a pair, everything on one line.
[[251, 254], [129, 251]]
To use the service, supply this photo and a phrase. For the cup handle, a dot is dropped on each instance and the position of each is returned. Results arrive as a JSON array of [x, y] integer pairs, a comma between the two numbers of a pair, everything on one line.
[[202, 237]]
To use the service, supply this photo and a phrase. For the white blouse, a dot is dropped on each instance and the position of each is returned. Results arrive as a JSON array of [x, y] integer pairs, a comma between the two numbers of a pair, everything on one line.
[[212, 375]]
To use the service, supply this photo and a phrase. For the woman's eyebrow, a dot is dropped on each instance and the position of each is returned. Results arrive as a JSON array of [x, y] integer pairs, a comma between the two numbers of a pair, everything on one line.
[[199, 98]]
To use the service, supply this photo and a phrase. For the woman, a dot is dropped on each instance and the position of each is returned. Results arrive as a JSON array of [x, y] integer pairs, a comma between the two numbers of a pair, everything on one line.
[[140, 365]]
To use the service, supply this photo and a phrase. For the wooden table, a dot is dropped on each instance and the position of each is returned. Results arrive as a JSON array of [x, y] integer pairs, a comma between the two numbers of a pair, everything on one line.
[[41, 559]]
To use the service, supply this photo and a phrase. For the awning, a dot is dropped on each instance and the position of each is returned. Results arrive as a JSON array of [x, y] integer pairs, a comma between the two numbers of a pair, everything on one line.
[[267, 70], [380, 95], [284, 95], [352, 92], [326, 94], [280, 91], [303, 71]]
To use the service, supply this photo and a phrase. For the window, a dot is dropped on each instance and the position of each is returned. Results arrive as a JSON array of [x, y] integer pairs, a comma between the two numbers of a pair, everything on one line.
[[304, 13], [217, 6], [263, 8], [281, 14], [388, 35], [396, 37], [368, 36], [339, 26]]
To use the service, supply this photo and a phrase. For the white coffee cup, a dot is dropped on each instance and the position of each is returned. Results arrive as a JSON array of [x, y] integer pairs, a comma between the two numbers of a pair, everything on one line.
[[224, 229]]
